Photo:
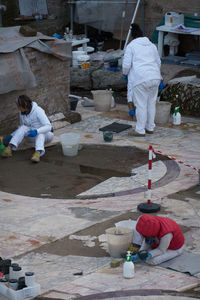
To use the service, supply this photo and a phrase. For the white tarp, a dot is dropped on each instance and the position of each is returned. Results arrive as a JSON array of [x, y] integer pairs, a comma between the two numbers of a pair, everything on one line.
[[105, 15], [31, 7], [15, 71]]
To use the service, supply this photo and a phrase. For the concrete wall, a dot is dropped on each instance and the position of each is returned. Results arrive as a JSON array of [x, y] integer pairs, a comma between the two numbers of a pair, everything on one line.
[[52, 76]]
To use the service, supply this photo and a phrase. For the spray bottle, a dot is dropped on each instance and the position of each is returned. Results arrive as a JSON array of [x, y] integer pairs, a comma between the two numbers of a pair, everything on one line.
[[128, 267], [176, 116], [2, 147]]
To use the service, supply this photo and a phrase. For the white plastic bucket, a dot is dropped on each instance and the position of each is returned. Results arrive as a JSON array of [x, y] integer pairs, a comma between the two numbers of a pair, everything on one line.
[[83, 61], [126, 224], [70, 143], [102, 100], [162, 112], [75, 55], [118, 239]]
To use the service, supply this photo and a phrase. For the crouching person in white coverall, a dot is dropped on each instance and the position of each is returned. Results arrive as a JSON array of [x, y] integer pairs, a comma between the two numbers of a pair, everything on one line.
[[141, 63], [162, 238], [34, 126]]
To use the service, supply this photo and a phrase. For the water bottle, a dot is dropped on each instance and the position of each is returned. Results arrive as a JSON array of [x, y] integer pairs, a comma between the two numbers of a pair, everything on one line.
[[176, 117], [128, 267]]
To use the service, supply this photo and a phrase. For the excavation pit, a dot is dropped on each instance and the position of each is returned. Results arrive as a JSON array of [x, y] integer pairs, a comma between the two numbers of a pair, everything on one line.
[[62, 177]]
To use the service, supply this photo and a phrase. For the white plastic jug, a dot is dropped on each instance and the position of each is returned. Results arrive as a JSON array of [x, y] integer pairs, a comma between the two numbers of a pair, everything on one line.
[[102, 100], [70, 143]]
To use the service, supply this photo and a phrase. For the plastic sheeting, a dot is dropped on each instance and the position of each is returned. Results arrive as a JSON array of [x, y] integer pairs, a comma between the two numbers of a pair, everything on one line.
[[31, 7], [104, 16], [187, 262], [15, 71]]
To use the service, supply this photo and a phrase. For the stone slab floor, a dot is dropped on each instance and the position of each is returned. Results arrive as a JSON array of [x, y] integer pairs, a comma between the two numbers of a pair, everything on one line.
[[28, 223]]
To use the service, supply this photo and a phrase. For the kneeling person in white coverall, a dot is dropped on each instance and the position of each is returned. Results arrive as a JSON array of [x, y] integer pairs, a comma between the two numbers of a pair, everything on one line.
[[141, 63], [34, 126]]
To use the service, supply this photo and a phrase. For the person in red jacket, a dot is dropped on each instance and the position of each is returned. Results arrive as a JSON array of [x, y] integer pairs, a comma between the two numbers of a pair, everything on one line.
[[162, 237]]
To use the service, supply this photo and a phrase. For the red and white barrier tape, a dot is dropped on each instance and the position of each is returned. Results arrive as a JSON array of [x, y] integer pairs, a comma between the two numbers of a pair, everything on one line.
[[178, 161], [152, 155]]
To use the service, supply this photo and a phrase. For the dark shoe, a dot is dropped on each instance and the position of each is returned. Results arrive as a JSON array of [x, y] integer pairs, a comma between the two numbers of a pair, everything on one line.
[[149, 131], [135, 133]]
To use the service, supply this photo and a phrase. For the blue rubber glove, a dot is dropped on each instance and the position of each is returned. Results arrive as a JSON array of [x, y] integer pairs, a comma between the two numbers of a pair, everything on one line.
[[32, 133], [161, 86], [125, 78], [131, 113], [148, 257], [7, 139], [135, 257]]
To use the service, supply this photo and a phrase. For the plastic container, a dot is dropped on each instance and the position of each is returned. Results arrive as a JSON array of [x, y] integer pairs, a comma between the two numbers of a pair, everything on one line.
[[102, 100], [13, 284], [73, 101], [126, 224], [128, 267], [174, 19], [70, 143], [176, 117], [16, 272], [89, 49], [107, 136], [75, 55], [163, 109], [118, 239], [13, 265], [83, 61], [30, 279]]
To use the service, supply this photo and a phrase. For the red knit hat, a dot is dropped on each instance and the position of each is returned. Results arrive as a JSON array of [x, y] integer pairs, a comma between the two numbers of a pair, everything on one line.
[[148, 225]]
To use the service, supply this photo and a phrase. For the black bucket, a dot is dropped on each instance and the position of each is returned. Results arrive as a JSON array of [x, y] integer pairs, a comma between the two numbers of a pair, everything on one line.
[[73, 103]]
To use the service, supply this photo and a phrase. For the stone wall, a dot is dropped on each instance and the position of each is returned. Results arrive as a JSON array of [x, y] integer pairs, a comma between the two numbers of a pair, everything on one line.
[[96, 78], [186, 95], [53, 79]]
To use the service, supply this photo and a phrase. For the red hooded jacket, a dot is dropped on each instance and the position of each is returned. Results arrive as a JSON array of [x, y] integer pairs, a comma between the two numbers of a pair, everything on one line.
[[148, 225]]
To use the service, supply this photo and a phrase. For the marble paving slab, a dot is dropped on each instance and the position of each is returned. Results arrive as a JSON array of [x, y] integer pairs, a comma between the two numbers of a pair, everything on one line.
[[118, 184], [146, 277]]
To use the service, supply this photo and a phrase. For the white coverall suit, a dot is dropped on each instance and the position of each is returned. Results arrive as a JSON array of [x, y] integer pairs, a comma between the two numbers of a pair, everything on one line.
[[141, 63], [38, 120]]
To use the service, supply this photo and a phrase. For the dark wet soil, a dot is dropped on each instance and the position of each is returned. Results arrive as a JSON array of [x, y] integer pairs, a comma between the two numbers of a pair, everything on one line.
[[67, 246], [59, 176]]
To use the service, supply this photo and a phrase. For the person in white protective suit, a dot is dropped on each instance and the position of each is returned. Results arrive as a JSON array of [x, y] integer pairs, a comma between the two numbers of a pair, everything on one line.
[[141, 64], [34, 126]]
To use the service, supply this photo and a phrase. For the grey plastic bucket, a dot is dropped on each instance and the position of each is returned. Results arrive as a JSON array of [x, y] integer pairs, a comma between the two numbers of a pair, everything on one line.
[[163, 109], [102, 100], [118, 239]]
